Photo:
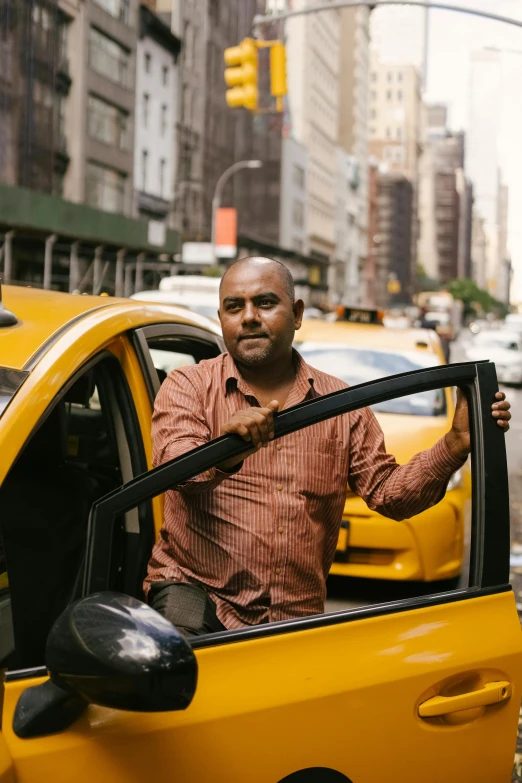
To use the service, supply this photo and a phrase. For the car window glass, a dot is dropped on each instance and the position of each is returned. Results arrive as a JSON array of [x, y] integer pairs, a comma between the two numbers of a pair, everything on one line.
[[170, 353], [359, 365], [74, 457]]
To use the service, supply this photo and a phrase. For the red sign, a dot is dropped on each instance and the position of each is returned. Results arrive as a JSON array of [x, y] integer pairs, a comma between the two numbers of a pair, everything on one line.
[[226, 232]]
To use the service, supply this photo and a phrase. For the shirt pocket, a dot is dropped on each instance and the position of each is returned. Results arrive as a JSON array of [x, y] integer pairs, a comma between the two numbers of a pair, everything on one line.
[[322, 466]]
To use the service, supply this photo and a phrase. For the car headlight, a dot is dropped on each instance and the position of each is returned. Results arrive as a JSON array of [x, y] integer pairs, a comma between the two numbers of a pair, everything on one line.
[[456, 480]]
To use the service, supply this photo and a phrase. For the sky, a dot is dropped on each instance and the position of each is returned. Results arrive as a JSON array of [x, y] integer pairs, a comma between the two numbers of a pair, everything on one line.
[[452, 38]]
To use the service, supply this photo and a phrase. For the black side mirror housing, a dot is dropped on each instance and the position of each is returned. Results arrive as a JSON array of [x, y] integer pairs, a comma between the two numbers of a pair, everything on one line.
[[112, 650], [116, 651]]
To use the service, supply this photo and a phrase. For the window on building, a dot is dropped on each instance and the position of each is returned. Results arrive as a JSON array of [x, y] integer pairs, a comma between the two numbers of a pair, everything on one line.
[[63, 40], [298, 213], [163, 119], [104, 187], [399, 76], [108, 58], [388, 133], [374, 76], [147, 62], [389, 76], [120, 9], [373, 114], [399, 95], [398, 132], [298, 176], [144, 167], [146, 101], [162, 167], [388, 95], [298, 244], [107, 123], [165, 75], [373, 95]]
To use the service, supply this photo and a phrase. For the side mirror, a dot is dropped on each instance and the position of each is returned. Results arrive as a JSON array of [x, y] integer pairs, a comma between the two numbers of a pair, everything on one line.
[[112, 650]]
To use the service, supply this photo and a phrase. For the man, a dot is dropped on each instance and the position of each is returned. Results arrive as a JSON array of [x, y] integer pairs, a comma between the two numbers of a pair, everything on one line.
[[252, 540]]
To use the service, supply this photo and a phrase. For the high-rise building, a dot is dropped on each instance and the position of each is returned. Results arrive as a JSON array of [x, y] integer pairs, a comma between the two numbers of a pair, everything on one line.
[[67, 99], [482, 160], [399, 34], [445, 201], [352, 171], [395, 119], [189, 23], [313, 62], [156, 116]]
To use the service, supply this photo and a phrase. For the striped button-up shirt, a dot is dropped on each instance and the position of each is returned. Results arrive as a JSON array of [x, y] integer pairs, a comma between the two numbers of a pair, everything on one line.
[[262, 539]]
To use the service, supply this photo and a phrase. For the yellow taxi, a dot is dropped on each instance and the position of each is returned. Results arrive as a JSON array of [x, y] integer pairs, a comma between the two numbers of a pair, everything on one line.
[[99, 687], [430, 546]]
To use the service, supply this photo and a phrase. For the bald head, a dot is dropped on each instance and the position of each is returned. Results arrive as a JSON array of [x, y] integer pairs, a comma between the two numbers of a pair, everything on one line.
[[258, 311], [263, 263]]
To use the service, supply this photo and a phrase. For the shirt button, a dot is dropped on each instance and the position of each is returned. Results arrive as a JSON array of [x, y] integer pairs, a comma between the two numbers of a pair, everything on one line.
[[278, 570], [281, 530], [278, 446], [279, 487]]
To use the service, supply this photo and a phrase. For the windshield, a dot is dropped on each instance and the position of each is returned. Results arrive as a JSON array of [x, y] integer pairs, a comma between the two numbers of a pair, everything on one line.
[[358, 365]]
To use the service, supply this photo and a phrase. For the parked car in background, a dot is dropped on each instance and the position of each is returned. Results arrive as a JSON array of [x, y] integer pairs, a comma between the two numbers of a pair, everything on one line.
[[429, 546], [502, 346]]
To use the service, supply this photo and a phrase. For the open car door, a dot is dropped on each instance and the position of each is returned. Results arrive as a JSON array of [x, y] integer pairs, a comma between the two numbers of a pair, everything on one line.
[[425, 689]]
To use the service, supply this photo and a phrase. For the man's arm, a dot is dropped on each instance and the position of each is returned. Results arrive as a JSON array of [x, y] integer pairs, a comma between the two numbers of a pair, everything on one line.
[[179, 425], [396, 491]]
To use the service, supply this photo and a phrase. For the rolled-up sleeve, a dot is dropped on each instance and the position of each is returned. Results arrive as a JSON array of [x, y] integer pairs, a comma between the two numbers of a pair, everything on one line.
[[179, 425], [396, 491]]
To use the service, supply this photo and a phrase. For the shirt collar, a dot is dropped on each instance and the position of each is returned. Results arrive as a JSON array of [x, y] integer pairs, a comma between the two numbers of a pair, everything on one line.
[[305, 379]]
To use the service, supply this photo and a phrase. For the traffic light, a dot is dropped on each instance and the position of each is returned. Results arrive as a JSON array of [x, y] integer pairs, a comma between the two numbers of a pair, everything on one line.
[[242, 76], [278, 70]]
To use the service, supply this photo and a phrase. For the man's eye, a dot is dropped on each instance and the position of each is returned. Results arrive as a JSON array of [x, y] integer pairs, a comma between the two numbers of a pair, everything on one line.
[[233, 307], [266, 303]]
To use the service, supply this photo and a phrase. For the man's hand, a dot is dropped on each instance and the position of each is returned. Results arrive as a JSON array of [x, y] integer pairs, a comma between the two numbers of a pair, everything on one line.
[[255, 425], [458, 438]]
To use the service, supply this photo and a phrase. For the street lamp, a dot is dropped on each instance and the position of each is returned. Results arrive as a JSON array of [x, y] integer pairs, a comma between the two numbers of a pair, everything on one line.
[[216, 201]]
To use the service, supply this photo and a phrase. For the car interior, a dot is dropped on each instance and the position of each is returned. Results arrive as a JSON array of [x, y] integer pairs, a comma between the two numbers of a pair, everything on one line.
[[74, 457]]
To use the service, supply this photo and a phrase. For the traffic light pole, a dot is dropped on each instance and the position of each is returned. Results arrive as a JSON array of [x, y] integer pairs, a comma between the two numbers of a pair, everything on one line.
[[218, 192], [259, 21]]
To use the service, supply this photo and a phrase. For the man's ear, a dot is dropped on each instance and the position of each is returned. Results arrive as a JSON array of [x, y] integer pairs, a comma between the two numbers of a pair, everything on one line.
[[299, 307]]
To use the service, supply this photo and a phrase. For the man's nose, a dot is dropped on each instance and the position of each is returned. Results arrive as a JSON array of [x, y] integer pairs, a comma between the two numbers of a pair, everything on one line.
[[250, 313]]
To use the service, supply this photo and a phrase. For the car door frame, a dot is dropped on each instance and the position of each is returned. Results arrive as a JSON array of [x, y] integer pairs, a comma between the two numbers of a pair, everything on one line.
[[489, 566], [139, 339]]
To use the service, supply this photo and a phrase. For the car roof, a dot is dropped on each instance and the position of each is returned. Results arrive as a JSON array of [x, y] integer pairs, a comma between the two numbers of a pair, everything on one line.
[[44, 314], [363, 335]]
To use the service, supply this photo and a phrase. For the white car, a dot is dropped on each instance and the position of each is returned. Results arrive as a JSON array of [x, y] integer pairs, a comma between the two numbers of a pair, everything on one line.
[[502, 347]]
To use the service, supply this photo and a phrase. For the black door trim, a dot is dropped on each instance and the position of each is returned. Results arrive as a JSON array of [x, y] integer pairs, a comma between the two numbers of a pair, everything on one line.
[[140, 336]]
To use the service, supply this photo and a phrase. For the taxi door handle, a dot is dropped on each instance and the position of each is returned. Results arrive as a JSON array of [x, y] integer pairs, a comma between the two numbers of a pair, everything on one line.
[[491, 693]]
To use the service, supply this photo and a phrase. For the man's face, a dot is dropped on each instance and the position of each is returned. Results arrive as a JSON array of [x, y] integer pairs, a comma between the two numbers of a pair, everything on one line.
[[257, 317]]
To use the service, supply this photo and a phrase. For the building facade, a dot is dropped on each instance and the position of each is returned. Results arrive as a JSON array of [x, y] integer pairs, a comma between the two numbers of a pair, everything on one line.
[[313, 63], [353, 141], [482, 162], [189, 20], [294, 163], [445, 201], [157, 102], [399, 34], [395, 117], [392, 240]]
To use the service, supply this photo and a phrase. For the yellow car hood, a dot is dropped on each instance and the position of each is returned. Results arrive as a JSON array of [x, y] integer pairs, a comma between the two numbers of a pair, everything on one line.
[[405, 436]]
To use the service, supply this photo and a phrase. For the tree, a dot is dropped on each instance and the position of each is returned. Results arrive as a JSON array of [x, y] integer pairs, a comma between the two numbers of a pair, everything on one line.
[[476, 301]]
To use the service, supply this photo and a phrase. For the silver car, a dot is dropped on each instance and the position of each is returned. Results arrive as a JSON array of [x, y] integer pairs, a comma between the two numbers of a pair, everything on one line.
[[502, 347]]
